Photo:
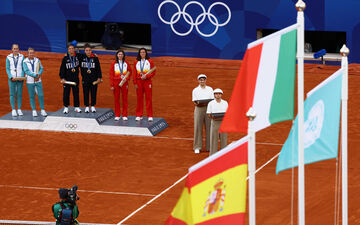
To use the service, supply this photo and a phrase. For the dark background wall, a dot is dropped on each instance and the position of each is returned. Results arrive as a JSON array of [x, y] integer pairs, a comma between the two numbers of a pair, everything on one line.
[[43, 24]]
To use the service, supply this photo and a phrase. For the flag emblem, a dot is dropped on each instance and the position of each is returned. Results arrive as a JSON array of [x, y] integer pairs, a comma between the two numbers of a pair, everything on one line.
[[321, 126], [314, 123], [216, 199], [203, 200]]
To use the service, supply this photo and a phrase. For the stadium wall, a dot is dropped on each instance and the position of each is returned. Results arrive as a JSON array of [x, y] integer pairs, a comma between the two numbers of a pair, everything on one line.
[[42, 23]]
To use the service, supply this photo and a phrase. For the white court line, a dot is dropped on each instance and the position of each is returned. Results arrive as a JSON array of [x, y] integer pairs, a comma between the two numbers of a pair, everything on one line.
[[101, 192], [42, 222], [269, 143], [177, 138], [190, 139], [151, 200], [178, 181], [261, 167]]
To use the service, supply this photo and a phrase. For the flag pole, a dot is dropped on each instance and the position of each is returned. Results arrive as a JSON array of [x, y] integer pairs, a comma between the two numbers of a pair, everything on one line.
[[344, 51], [300, 6], [252, 166]]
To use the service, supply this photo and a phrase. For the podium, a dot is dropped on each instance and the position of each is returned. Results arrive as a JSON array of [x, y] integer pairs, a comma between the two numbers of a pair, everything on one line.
[[101, 122]]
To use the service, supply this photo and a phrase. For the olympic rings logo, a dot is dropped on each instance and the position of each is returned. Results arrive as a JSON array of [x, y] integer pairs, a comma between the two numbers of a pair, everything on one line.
[[199, 19], [71, 126]]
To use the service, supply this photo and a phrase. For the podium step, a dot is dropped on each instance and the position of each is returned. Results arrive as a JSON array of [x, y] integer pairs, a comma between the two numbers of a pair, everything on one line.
[[101, 122]]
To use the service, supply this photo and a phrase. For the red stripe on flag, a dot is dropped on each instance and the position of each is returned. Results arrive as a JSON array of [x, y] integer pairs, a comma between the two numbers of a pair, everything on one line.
[[233, 219], [242, 97], [174, 221], [227, 161]]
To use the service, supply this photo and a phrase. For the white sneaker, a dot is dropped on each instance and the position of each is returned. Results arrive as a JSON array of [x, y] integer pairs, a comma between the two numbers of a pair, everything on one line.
[[125, 118], [197, 151], [77, 109], [137, 118], [87, 109], [19, 112], [13, 113], [93, 110], [66, 110], [43, 113], [34, 113], [117, 118], [150, 119]]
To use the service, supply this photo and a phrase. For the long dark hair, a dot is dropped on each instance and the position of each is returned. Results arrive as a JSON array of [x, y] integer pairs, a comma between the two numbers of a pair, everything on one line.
[[117, 58], [138, 57]]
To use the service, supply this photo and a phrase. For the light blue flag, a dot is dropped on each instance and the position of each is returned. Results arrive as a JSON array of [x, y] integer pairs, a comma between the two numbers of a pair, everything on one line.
[[321, 126]]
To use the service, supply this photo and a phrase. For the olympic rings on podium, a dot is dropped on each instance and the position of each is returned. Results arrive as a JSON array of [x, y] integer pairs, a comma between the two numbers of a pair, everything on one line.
[[71, 126]]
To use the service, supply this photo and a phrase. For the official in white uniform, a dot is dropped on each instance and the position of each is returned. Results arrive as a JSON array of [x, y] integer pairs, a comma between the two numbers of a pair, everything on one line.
[[202, 92], [216, 106]]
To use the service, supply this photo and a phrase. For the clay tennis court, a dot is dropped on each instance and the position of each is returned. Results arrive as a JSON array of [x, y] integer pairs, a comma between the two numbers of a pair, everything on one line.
[[127, 171]]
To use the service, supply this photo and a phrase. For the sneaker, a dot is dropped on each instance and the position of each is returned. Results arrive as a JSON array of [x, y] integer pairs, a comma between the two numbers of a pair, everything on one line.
[[20, 112], [66, 110], [137, 118], [77, 109], [125, 118], [197, 151], [93, 110], [150, 119], [43, 113], [34, 113], [13, 113], [117, 118], [87, 109]]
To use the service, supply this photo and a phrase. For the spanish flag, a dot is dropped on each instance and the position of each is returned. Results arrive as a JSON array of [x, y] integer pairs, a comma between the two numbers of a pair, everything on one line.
[[215, 189]]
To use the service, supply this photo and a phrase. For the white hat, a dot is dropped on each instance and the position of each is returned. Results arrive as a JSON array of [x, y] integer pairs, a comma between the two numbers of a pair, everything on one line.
[[202, 76], [218, 90]]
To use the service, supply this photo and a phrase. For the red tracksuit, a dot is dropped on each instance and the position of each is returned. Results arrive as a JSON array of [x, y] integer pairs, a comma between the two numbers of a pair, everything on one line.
[[115, 79], [144, 86]]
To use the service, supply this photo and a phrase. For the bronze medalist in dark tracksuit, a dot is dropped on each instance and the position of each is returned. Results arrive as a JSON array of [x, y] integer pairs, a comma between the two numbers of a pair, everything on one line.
[[69, 70], [90, 72]]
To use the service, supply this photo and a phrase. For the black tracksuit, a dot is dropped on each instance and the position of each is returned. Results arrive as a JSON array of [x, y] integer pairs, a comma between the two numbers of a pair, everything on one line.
[[93, 64], [66, 73]]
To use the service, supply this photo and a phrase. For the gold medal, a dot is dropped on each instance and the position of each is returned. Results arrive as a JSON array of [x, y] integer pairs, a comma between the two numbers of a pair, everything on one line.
[[88, 71], [73, 70]]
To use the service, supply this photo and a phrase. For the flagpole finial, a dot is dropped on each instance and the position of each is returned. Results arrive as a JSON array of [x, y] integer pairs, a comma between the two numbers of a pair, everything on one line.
[[251, 114], [344, 51], [300, 6]]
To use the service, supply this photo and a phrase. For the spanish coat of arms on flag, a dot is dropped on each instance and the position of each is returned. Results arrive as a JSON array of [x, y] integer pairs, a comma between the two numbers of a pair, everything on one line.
[[215, 189]]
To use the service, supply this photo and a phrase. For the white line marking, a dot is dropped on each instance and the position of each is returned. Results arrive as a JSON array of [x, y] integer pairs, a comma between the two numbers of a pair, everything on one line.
[[269, 143], [177, 138], [151, 200], [260, 168], [101, 192], [42, 222], [190, 139]]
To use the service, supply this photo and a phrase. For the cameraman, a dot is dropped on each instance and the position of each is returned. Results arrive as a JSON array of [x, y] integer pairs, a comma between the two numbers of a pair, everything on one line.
[[65, 204]]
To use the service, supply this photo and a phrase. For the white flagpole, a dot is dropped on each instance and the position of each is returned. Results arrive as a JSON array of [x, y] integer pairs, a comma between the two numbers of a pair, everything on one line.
[[251, 166], [344, 51], [300, 6]]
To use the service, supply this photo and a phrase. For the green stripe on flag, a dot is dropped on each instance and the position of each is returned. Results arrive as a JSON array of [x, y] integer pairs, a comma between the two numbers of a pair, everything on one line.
[[282, 103]]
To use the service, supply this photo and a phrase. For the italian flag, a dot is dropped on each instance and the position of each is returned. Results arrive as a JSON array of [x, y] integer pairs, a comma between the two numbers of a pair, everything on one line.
[[266, 82]]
